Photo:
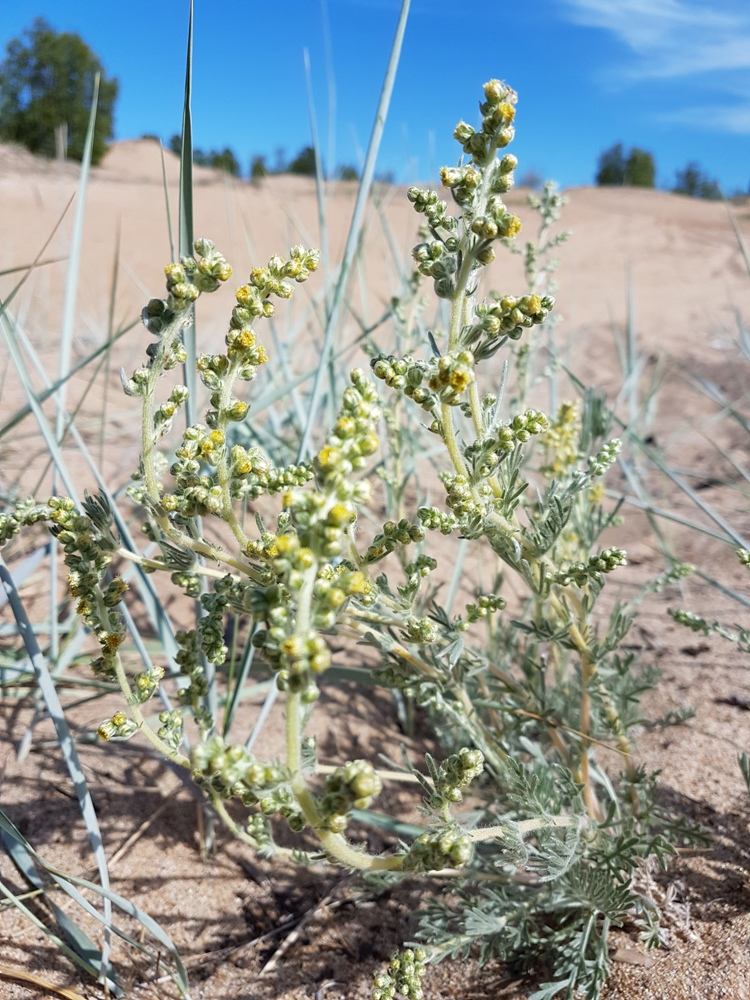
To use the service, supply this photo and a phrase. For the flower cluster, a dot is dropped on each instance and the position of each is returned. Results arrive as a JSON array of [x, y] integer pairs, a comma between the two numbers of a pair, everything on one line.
[[561, 440], [311, 585], [408, 375], [432, 208], [435, 519], [165, 318], [353, 786], [455, 773], [485, 455], [119, 727], [606, 457], [393, 534], [486, 604], [454, 375], [403, 978], [504, 318], [87, 544], [498, 112], [233, 772], [581, 573], [447, 848]]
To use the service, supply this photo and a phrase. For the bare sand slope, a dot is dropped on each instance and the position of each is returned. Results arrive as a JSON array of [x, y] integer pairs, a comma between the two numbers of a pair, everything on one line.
[[688, 284], [679, 254]]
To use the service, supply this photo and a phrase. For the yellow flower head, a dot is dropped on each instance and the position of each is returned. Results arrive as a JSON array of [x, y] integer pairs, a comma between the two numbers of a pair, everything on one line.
[[513, 227]]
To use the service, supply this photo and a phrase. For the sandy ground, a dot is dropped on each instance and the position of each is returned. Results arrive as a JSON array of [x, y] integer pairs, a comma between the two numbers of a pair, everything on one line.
[[670, 263]]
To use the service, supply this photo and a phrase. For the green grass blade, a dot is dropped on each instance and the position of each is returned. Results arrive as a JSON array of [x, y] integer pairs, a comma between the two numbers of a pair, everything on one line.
[[332, 319], [110, 332], [69, 882], [61, 945], [74, 266], [319, 179], [89, 955], [186, 219], [30, 267], [166, 203], [65, 741], [24, 411], [246, 663]]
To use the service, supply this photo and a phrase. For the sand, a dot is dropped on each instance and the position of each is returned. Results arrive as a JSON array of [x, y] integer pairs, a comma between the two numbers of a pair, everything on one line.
[[671, 267]]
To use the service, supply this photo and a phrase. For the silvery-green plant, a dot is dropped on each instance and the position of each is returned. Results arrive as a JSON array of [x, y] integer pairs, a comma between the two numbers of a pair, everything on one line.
[[526, 706]]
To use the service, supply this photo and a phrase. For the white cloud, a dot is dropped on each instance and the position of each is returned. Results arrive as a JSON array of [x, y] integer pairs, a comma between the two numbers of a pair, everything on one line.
[[717, 117], [672, 38]]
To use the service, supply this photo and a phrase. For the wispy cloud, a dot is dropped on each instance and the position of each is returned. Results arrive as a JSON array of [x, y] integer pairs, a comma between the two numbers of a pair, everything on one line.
[[672, 38], [722, 118]]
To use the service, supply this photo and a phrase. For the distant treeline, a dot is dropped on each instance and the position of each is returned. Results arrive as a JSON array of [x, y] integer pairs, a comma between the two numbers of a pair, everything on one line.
[[636, 168], [303, 164]]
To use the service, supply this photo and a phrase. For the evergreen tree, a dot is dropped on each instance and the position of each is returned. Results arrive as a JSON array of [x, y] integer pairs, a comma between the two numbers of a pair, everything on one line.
[[225, 160], [258, 167], [303, 163], [47, 86], [611, 168], [639, 169], [693, 182]]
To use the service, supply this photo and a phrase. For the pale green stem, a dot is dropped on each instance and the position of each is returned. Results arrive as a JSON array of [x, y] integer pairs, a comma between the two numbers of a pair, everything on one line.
[[236, 829], [524, 826], [222, 467], [470, 720], [451, 442], [476, 409], [137, 716], [150, 478], [154, 564]]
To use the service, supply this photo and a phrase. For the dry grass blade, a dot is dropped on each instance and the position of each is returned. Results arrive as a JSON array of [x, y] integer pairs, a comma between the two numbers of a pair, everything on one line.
[[43, 984]]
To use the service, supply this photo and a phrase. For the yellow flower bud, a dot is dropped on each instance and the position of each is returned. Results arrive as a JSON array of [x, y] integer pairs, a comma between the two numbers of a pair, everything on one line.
[[357, 583], [341, 515], [328, 456], [512, 226]]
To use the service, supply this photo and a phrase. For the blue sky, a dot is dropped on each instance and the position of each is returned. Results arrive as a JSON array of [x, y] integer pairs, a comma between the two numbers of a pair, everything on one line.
[[669, 76]]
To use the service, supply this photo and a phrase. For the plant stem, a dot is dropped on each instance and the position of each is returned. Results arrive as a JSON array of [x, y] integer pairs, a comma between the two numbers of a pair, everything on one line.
[[143, 726], [524, 826]]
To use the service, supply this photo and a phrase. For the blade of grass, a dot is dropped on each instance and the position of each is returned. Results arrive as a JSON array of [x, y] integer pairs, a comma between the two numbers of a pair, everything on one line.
[[67, 746], [166, 203], [332, 319], [233, 701], [652, 456], [66, 332], [108, 341], [78, 940], [24, 411], [319, 179], [186, 219], [30, 267], [54, 938], [69, 884], [74, 266]]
